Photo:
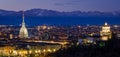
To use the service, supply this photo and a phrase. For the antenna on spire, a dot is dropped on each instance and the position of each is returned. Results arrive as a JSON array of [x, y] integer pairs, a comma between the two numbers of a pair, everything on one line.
[[23, 16]]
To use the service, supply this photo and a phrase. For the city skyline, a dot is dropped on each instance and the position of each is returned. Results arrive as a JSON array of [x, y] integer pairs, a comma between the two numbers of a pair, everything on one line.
[[59, 28], [62, 5]]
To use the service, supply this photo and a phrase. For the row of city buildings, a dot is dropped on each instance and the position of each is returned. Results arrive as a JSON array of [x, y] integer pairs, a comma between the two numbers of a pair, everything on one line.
[[60, 33]]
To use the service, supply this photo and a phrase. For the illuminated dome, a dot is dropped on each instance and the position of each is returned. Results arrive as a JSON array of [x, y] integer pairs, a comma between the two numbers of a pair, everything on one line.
[[105, 32], [23, 31]]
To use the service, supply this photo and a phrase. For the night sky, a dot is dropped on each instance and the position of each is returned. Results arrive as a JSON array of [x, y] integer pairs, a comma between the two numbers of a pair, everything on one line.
[[62, 5]]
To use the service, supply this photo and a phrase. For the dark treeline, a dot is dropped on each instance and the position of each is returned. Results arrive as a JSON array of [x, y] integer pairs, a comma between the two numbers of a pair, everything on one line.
[[110, 49]]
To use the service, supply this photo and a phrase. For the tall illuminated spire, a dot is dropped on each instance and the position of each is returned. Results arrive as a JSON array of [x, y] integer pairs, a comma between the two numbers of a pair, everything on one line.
[[23, 17], [23, 31], [23, 22]]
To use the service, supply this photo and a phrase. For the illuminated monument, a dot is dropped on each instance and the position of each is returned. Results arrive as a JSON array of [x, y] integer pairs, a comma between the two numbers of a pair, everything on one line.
[[23, 31], [105, 32]]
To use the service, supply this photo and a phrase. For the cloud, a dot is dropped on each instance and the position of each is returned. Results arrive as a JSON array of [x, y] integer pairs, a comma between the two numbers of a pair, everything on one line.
[[59, 4], [65, 4]]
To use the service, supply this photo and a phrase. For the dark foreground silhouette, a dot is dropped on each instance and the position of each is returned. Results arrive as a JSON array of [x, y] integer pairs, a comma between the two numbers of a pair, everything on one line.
[[111, 48]]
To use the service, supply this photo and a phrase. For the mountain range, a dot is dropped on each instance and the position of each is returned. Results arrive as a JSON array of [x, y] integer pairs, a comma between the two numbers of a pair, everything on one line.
[[44, 16]]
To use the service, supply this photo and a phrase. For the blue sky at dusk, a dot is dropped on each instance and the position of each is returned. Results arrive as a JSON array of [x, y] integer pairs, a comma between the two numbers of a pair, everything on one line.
[[61, 5]]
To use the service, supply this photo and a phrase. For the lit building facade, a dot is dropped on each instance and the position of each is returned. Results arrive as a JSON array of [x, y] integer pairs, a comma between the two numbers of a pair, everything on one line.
[[105, 32], [23, 31]]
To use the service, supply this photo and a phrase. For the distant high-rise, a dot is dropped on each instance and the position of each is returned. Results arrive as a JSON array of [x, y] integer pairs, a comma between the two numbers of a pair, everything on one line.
[[105, 32], [23, 31]]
